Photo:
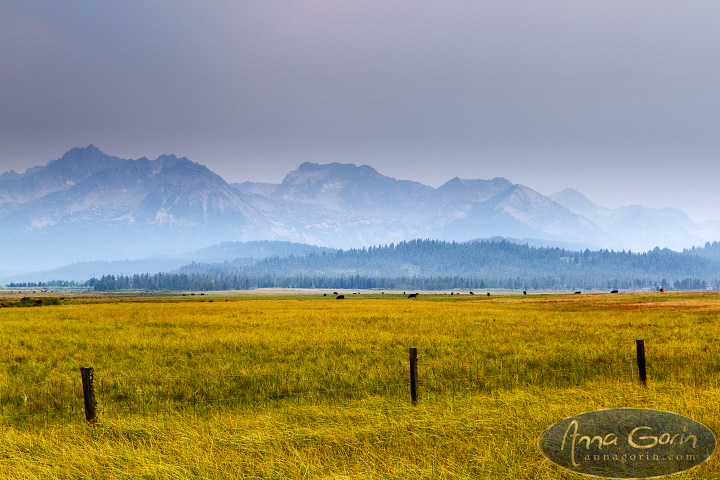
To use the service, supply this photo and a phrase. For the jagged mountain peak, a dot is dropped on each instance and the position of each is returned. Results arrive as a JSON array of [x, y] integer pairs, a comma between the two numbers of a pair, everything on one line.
[[635, 226], [58, 175], [81, 161], [575, 201], [170, 159], [334, 167], [497, 183], [167, 191], [341, 173], [181, 165], [312, 173], [89, 150], [346, 186], [579, 204], [571, 194], [468, 182], [471, 191], [86, 198], [9, 175], [519, 200]]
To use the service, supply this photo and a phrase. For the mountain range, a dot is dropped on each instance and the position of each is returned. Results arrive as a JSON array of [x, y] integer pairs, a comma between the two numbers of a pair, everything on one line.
[[89, 206]]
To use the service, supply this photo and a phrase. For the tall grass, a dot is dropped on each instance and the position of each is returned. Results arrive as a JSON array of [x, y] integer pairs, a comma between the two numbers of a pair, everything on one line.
[[311, 387]]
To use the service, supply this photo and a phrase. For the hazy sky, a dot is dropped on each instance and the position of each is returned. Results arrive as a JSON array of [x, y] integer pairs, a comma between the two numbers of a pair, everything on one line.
[[619, 99]]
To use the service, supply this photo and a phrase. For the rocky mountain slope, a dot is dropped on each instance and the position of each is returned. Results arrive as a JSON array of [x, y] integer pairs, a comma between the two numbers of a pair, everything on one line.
[[89, 206], [640, 228]]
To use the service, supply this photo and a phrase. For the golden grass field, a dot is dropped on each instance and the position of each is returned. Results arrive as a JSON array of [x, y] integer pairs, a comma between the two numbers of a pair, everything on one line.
[[306, 386]]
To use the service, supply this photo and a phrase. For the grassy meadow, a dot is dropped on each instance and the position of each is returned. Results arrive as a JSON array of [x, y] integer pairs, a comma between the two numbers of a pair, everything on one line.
[[306, 386]]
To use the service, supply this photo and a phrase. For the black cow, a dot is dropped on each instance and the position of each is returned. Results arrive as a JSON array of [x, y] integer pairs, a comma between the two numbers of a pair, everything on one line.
[[413, 295], [578, 292], [339, 297], [613, 291]]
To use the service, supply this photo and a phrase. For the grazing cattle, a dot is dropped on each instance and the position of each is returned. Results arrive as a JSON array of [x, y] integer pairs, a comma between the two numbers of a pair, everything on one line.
[[324, 294], [339, 297], [613, 291], [413, 295], [578, 292], [662, 290], [471, 293], [524, 292], [488, 294], [334, 293]]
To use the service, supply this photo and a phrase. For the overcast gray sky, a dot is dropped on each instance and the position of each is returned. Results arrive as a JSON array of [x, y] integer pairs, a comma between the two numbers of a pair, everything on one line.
[[619, 99]]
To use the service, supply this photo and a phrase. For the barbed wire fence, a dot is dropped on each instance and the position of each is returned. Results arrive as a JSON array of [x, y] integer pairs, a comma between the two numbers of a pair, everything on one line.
[[92, 397], [42, 401]]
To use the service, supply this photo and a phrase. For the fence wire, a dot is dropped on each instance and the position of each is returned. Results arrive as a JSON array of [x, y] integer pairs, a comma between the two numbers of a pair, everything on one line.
[[154, 393], [42, 401], [62, 400]]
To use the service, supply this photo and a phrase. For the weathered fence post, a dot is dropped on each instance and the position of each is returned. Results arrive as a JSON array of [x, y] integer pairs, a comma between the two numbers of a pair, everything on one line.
[[88, 393], [641, 360], [413, 376]]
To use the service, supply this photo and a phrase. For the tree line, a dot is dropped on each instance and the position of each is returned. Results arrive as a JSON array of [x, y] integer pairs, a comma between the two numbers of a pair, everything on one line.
[[439, 265]]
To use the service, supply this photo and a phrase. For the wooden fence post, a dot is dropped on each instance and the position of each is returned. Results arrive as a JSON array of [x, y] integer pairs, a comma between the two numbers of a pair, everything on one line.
[[88, 393], [641, 360], [413, 376]]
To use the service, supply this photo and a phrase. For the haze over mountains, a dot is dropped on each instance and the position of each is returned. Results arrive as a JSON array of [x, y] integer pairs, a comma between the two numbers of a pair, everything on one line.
[[88, 206]]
